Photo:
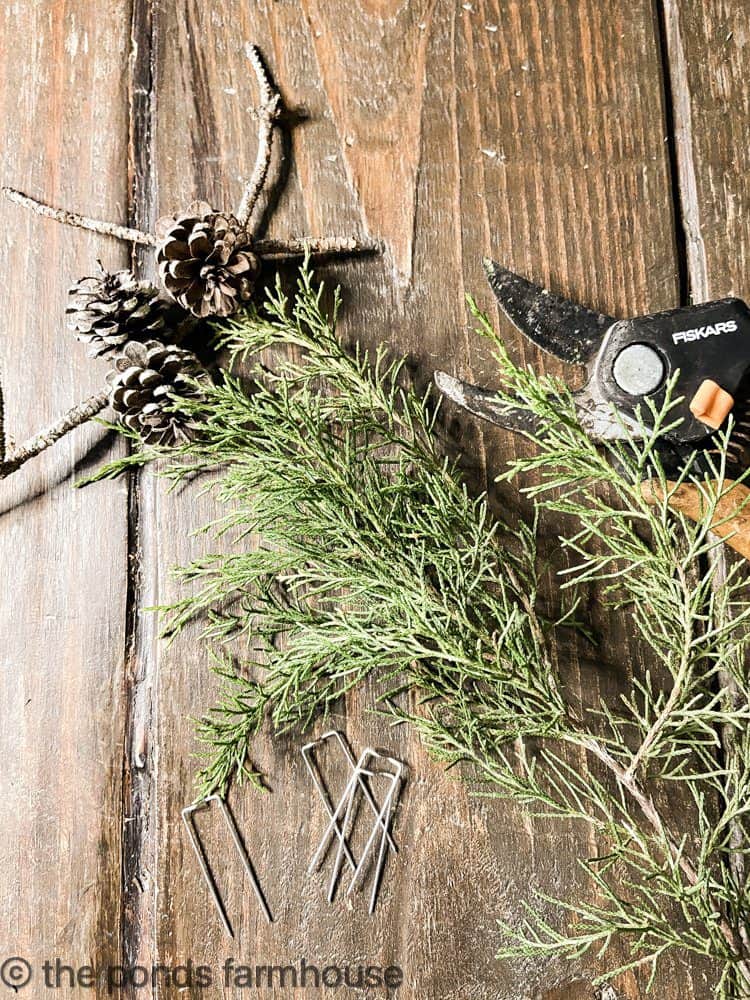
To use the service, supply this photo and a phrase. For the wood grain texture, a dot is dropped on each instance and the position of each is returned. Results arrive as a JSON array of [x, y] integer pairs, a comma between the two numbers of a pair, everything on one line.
[[529, 130], [63, 552], [708, 52], [448, 132]]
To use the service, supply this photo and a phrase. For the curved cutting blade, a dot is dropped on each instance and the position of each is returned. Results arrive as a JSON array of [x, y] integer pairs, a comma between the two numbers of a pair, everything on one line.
[[568, 331], [593, 412], [485, 404]]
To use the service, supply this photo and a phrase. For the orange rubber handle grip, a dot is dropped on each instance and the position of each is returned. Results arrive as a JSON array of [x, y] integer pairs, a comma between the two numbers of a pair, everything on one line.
[[733, 511]]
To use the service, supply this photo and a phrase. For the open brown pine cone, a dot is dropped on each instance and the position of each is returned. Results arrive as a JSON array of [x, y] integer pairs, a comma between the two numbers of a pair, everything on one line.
[[205, 261], [106, 310], [147, 382]]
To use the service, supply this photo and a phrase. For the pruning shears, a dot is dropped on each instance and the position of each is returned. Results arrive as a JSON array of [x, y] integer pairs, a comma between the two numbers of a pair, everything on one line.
[[699, 353]]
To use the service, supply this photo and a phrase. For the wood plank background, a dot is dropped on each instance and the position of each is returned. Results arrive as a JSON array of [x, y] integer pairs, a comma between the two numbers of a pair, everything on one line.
[[595, 146]]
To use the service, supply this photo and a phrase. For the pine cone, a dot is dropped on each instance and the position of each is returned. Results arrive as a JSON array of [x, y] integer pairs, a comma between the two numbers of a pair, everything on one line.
[[147, 380], [107, 310], [206, 262]]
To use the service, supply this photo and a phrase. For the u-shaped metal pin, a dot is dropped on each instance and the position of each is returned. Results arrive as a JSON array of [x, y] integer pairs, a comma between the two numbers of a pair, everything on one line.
[[200, 853], [358, 777], [317, 780], [381, 825]]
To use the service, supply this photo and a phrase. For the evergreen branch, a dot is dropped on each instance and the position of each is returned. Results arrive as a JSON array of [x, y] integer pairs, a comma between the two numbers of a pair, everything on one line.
[[372, 559]]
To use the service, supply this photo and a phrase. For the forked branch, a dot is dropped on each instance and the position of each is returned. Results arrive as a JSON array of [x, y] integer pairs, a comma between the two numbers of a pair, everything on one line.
[[268, 114], [315, 246]]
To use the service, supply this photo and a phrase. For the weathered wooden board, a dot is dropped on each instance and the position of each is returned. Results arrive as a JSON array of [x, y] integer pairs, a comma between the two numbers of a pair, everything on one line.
[[63, 553], [448, 131], [530, 130], [708, 52]]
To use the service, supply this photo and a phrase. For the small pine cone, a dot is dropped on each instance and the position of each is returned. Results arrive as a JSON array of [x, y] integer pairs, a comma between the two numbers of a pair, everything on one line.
[[107, 310], [146, 382], [206, 262]]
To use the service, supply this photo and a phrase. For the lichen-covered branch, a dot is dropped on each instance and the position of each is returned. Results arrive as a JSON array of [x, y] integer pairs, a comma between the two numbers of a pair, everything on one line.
[[75, 416], [314, 246], [267, 115], [61, 215]]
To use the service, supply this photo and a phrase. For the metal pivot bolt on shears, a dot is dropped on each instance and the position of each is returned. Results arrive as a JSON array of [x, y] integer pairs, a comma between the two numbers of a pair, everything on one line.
[[629, 361]]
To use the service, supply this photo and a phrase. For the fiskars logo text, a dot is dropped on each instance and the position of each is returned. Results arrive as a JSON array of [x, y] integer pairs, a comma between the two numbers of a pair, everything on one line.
[[701, 332]]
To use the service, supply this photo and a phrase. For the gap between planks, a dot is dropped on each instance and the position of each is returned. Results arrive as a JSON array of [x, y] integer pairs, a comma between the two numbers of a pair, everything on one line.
[[138, 940]]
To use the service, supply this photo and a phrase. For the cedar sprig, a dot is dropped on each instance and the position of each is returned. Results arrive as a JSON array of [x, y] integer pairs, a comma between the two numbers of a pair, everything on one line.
[[375, 560]]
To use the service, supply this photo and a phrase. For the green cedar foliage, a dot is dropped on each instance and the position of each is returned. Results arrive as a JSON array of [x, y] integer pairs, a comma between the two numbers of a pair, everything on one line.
[[358, 550]]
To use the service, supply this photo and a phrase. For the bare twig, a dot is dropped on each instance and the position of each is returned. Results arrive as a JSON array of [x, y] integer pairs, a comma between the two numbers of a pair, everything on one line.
[[268, 114], [76, 416], [276, 249], [317, 246], [79, 221]]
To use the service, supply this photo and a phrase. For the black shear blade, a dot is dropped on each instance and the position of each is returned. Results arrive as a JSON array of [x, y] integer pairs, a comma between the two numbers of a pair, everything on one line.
[[485, 404], [563, 328]]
